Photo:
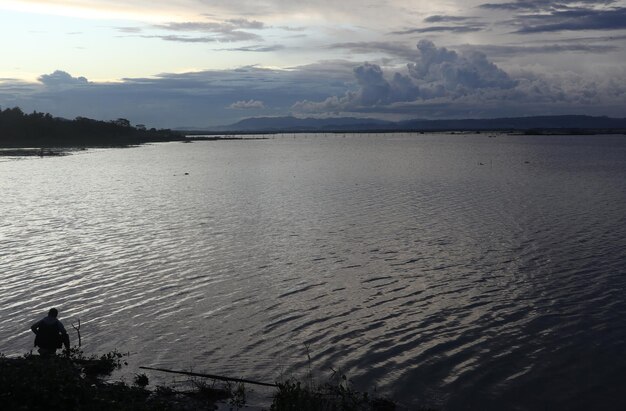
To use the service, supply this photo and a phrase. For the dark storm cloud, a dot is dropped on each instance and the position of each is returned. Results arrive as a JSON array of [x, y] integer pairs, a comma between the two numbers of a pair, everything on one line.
[[575, 19], [516, 51], [598, 39], [451, 24], [540, 4], [543, 16]]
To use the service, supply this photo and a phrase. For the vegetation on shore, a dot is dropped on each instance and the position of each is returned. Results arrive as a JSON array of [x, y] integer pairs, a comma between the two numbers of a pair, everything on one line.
[[18, 129], [75, 382]]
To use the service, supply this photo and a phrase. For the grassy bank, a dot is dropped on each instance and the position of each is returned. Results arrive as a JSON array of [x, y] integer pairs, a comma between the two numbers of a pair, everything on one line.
[[76, 382]]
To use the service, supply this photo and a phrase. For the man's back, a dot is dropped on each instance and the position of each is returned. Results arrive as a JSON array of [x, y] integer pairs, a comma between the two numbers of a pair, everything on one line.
[[50, 334]]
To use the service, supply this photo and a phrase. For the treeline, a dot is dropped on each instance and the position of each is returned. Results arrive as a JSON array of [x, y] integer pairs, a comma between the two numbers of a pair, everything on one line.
[[18, 129]]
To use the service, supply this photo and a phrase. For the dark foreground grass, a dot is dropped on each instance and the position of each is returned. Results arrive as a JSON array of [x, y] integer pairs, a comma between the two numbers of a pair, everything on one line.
[[334, 395], [76, 382]]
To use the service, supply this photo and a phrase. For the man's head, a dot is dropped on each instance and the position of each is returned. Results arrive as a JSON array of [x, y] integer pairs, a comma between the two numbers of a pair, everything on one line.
[[53, 313]]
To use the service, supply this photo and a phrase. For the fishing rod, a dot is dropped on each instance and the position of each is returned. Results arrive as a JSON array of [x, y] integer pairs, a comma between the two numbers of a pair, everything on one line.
[[215, 377]]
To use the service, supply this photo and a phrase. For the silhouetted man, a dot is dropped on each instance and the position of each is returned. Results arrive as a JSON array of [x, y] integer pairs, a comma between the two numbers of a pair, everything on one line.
[[50, 334]]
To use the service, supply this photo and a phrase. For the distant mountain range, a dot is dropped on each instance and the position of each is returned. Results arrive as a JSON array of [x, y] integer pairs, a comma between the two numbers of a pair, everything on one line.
[[345, 124]]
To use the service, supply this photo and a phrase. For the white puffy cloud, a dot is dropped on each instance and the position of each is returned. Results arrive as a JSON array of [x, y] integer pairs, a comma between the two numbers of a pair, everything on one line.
[[61, 78], [436, 72], [246, 105], [453, 71], [442, 83]]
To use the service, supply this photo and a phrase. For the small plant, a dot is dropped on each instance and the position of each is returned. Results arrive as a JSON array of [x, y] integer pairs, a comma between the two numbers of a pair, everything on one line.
[[207, 391], [164, 391], [237, 394], [141, 380], [335, 394], [93, 365]]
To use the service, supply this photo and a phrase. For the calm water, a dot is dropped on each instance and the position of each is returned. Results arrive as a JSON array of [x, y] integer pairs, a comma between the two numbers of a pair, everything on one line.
[[463, 272]]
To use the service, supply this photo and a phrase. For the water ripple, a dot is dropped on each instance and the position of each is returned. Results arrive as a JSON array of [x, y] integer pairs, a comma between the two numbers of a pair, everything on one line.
[[398, 261]]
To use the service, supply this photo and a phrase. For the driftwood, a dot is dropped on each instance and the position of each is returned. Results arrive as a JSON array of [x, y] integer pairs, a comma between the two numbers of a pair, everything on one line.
[[215, 377]]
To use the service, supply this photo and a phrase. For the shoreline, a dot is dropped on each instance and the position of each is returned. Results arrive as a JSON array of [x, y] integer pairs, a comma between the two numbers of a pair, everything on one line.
[[73, 381], [63, 150]]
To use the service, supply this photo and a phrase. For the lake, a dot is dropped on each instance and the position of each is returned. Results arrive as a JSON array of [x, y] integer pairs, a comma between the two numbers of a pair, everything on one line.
[[467, 271]]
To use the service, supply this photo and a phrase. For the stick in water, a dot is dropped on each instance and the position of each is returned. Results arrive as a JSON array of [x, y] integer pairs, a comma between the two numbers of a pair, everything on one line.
[[215, 377], [77, 331]]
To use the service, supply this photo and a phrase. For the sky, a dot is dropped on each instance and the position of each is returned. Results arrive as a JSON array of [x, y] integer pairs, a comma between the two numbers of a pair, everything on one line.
[[202, 63]]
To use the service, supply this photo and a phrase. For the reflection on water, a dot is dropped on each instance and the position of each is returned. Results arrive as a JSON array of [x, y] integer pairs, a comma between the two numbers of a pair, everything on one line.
[[462, 271]]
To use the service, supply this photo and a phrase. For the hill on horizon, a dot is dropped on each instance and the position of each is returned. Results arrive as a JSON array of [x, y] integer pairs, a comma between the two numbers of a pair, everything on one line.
[[345, 124]]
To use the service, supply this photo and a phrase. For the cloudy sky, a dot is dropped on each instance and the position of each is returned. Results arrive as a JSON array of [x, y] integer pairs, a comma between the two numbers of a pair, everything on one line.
[[210, 62]]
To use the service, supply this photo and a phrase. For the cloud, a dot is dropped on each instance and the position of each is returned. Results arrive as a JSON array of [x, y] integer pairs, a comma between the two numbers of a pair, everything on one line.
[[436, 72], [374, 91], [212, 27], [246, 105], [191, 99], [452, 29], [182, 39], [130, 30], [539, 4], [289, 28], [534, 94], [434, 82], [229, 30], [366, 47], [61, 78], [454, 71], [575, 19], [445, 19], [543, 16], [246, 24], [256, 49], [453, 24], [445, 83], [517, 51]]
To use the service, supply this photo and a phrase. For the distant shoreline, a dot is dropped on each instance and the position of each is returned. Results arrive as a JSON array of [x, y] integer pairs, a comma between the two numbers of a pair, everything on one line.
[[531, 132], [62, 150], [59, 151], [49, 134]]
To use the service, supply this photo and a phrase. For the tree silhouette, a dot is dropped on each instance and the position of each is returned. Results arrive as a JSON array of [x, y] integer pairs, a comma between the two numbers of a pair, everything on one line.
[[18, 129]]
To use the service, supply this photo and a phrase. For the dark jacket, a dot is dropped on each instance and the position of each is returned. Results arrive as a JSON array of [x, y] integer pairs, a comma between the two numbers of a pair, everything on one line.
[[50, 334]]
